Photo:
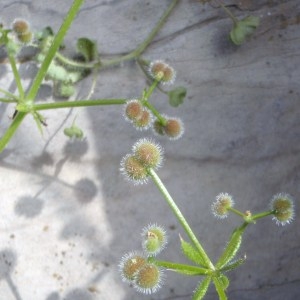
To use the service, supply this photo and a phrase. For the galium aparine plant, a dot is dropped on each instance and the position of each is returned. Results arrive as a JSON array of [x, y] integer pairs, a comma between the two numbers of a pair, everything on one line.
[[142, 269], [146, 277]]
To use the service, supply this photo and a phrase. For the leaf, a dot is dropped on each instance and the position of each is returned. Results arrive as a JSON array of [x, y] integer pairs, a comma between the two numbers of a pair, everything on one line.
[[224, 281], [233, 265], [73, 132], [4, 36], [187, 272], [243, 29], [191, 253], [43, 34], [231, 248], [40, 120], [176, 96], [63, 90], [220, 288], [88, 49], [202, 288]]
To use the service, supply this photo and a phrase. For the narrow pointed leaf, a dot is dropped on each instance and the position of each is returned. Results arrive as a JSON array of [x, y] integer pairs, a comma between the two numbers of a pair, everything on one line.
[[190, 272], [191, 253], [202, 288], [183, 268], [38, 122], [233, 265], [231, 248], [220, 288]]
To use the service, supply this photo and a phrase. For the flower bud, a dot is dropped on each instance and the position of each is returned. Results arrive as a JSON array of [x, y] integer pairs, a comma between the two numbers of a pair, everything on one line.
[[148, 153], [133, 169], [130, 264], [283, 209], [162, 72], [220, 206], [154, 239], [148, 279]]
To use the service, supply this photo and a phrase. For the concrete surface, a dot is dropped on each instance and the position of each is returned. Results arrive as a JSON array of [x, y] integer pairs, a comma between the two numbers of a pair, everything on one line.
[[68, 216]]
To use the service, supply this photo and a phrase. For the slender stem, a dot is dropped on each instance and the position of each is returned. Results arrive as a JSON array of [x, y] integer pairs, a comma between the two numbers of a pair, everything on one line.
[[237, 212], [70, 104], [75, 64], [142, 47], [16, 76], [229, 13], [262, 215], [180, 217], [53, 49], [11, 130], [147, 104], [149, 92], [162, 120]]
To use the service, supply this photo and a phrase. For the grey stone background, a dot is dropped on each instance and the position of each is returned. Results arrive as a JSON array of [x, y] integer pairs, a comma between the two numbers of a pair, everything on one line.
[[68, 216]]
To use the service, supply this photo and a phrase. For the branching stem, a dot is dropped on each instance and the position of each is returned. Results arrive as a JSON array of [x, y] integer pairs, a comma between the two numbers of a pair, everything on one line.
[[180, 217]]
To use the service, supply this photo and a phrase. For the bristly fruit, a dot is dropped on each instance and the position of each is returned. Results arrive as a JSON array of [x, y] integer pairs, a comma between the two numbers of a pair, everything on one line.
[[162, 72]]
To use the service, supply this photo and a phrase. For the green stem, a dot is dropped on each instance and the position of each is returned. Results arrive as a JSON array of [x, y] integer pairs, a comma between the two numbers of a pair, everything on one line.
[[156, 113], [180, 217], [182, 267], [75, 64], [237, 212], [262, 215], [16, 76], [142, 47], [11, 130], [70, 104], [53, 49], [147, 104], [149, 91], [229, 13]]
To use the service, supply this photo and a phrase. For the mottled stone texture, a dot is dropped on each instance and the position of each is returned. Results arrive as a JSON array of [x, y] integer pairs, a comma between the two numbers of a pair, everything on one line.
[[67, 215]]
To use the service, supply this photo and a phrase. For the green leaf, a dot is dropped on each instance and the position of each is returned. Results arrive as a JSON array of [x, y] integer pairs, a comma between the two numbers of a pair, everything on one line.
[[218, 281], [202, 288], [231, 248], [4, 36], [191, 272], [233, 265], [243, 29], [224, 281], [191, 253], [44, 33], [63, 90], [176, 96], [40, 120], [73, 132], [88, 49]]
